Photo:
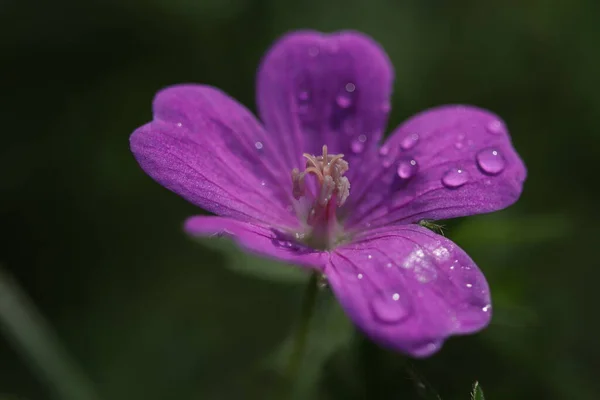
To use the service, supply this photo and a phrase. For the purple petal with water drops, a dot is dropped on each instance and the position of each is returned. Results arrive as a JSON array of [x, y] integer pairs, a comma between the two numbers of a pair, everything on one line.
[[446, 162], [259, 239], [315, 89], [409, 288], [210, 150]]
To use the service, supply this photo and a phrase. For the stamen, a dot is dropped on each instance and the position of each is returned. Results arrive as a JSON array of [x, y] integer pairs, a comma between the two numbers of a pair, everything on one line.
[[320, 216], [298, 186]]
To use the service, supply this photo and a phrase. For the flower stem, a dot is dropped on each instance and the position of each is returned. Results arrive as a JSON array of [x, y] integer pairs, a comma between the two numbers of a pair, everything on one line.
[[299, 345], [31, 335]]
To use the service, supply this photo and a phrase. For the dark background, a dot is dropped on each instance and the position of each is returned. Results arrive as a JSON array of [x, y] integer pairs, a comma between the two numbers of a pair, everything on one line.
[[146, 313]]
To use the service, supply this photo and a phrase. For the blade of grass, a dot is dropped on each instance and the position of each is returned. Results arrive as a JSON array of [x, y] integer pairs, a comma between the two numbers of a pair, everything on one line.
[[31, 335]]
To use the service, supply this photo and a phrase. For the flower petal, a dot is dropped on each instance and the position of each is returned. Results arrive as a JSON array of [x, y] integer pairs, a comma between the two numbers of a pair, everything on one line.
[[446, 162], [210, 150], [315, 89], [409, 288], [259, 239]]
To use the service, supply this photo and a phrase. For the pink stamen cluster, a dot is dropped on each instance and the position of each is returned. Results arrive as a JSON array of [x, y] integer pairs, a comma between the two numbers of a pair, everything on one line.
[[329, 170]]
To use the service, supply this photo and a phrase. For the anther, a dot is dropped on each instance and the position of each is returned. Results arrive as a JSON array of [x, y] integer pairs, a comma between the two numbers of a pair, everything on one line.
[[329, 170]]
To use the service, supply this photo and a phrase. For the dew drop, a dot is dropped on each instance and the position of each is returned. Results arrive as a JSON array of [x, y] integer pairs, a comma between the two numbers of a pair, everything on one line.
[[357, 146], [459, 145], [490, 161], [258, 145], [424, 272], [407, 169], [369, 256], [362, 138], [409, 141], [427, 348], [303, 95], [303, 101], [389, 265], [455, 178], [343, 101], [359, 276], [495, 127], [469, 285], [179, 124], [384, 150], [389, 308], [350, 87], [263, 183], [487, 308]]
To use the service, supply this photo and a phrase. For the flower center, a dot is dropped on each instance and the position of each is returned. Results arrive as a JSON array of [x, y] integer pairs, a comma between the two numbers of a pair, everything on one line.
[[318, 199]]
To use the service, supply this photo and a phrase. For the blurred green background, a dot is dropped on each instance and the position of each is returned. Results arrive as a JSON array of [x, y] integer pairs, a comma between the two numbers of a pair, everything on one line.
[[146, 313]]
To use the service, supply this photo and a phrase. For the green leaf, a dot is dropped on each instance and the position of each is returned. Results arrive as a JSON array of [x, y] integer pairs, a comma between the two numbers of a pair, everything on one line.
[[477, 393], [245, 263], [504, 229], [330, 331]]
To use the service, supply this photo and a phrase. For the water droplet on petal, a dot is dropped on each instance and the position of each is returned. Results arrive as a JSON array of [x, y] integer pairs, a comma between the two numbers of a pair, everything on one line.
[[427, 348], [490, 161], [390, 308], [407, 169], [350, 87], [179, 124], [258, 145], [424, 272], [487, 308], [384, 150], [303, 95], [263, 183], [495, 127], [303, 101], [343, 101], [459, 145], [362, 138], [409, 141], [455, 178], [360, 276], [357, 146]]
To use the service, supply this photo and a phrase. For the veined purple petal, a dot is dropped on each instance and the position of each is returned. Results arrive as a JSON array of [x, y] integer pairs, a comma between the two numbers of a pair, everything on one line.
[[259, 239], [210, 150], [315, 89], [409, 288], [462, 161]]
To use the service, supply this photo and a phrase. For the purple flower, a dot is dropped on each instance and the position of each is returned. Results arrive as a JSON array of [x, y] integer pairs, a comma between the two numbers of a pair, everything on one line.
[[311, 185]]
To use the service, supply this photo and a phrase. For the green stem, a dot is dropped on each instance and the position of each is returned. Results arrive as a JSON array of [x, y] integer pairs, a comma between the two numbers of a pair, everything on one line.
[[308, 306], [32, 336]]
